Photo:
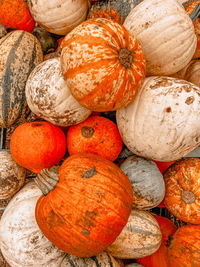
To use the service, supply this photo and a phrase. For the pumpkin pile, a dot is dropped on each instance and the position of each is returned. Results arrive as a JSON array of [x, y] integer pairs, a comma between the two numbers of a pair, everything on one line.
[[101, 100]]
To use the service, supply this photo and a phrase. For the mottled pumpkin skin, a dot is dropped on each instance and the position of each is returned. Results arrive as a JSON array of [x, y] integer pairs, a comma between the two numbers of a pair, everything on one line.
[[184, 248], [160, 257], [37, 145], [89, 206], [182, 194], [96, 135], [103, 63], [15, 14]]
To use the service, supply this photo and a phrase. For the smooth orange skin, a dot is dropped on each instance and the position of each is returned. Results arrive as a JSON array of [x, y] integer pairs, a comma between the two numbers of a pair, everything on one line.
[[15, 14], [163, 166], [105, 142], [160, 257], [184, 248], [37, 145], [82, 216]]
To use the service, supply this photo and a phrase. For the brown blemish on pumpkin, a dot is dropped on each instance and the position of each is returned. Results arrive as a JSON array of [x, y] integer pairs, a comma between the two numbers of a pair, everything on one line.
[[189, 100], [34, 240], [90, 173], [37, 124], [54, 220], [125, 58], [87, 131], [86, 232], [188, 197], [168, 109]]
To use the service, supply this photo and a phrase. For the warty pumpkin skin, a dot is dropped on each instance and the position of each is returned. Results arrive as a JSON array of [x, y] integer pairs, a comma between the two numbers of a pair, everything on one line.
[[184, 248], [96, 135], [166, 34], [20, 52], [37, 145], [158, 125], [48, 95], [21, 240], [182, 190], [88, 207], [103, 63]]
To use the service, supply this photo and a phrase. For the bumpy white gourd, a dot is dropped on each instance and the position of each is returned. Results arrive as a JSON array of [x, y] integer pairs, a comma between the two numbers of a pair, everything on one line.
[[163, 122], [58, 16], [21, 241], [48, 96], [166, 34]]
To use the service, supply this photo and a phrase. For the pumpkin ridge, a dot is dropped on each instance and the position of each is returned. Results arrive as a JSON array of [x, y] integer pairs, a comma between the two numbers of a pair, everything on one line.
[[145, 219]]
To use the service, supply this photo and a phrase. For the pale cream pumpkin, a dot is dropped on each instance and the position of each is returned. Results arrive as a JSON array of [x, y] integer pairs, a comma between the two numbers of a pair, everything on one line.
[[48, 96], [192, 73], [163, 123], [58, 16], [166, 34], [21, 241], [140, 237]]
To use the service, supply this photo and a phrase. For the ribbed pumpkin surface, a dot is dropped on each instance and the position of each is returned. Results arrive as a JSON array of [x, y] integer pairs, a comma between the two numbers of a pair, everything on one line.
[[20, 52], [103, 63], [89, 206]]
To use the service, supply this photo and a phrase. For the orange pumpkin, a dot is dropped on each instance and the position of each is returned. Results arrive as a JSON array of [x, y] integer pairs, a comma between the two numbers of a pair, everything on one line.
[[189, 8], [182, 194], [89, 206], [96, 135], [103, 63], [162, 166], [37, 145], [184, 248], [160, 257], [15, 14]]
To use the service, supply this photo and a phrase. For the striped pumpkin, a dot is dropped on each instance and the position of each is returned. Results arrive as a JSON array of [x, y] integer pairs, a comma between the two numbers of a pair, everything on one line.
[[103, 63], [140, 237], [20, 52]]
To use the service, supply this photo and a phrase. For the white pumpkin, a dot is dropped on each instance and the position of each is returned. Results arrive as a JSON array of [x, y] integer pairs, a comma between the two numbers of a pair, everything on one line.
[[21, 241], [140, 237], [12, 176], [166, 34], [146, 180], [192, 73], [163, 122], [48, 96], [58, 16]]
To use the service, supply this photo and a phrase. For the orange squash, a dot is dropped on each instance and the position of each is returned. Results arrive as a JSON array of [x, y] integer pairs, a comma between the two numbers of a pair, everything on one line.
[[15, 14], [184, 248], [96, 135], [160, 257], [103, 63], [182, 192], [89, 206], [37, 145]]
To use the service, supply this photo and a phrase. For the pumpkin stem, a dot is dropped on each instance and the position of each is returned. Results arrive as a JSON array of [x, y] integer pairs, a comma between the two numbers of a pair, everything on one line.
[[47, 179], [195, 13], [87, 131], [125, 57], [187, 196]]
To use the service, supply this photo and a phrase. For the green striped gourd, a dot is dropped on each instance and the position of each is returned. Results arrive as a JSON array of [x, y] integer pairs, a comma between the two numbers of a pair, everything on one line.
[[20, 52]]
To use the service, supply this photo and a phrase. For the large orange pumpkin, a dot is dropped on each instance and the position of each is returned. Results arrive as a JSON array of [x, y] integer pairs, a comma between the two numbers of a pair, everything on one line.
[[37, 145], [103, 63], [184, 248], [89, 206], [15, 14], [96, 135], [160, 257], [182, 194]]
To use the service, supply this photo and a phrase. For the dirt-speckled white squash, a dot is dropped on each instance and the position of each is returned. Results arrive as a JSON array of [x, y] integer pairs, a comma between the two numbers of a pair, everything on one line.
[[58, 16], [163, 123], [146, 180], [21, 241], [140, 237], [48, 96], [12, 176], [166, 34]]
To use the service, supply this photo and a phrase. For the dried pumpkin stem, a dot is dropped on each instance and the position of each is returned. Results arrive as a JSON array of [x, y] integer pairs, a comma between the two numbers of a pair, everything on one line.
[[188, 197], [125, 58], [195, 13], [87, 131]]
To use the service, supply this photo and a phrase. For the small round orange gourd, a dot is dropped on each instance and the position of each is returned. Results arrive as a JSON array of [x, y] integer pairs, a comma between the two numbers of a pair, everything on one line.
[[96, 135], [88, 207], [37, 145]]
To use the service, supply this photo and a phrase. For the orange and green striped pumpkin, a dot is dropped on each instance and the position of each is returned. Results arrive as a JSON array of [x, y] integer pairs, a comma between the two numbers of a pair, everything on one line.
[[103, 63]]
